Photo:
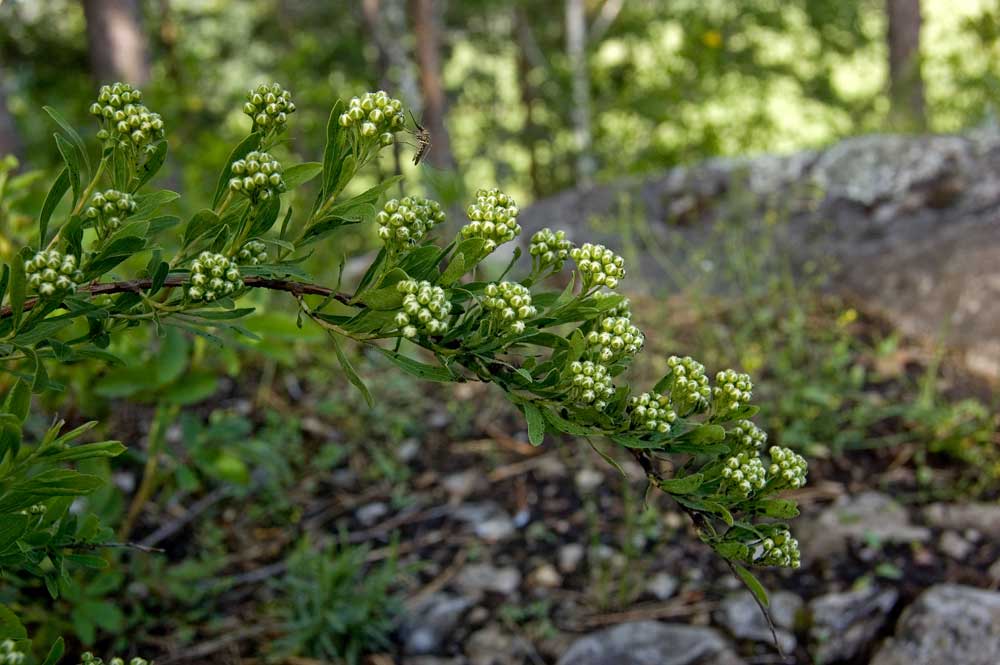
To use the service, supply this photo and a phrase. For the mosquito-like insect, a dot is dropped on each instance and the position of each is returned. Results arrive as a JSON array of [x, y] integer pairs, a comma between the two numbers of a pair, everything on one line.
[[423, 140]]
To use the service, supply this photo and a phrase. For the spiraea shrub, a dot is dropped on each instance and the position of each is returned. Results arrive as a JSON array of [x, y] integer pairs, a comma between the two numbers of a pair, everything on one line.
[[560, 355]]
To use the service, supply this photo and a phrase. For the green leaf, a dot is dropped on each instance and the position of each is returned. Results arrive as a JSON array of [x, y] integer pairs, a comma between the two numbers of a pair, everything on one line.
[[323, 228], [147, 204], [89, 451], [419, 369], [12, 527], [299, 174], [362, 206], [536, 424], [116, 251], [685, 485], [331, 152], [71, 133], [352, 374], [784, 509], [4, 280], [385, 298], [159, 277], [705, 434], [196, 387], [566, 426], [753, 584], [59, 482], [264, 217], [455, 269], [10, 625], [55, 652], [69, 156], [151, 166], [249, 144], [52, 199], [200, 224]]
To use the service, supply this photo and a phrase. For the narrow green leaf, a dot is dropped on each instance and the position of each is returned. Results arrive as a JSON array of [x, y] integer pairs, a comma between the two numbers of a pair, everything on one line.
[[18, 287], [299, 174], [10, 625], [685, 485], [55, 652], [753, 584], [331, 152], [419, 369], [151, 166], [455, 269], [199, 225], [52, 199], [71, 133], [69, 156], [352, 374], [784, 509], [536, 424]]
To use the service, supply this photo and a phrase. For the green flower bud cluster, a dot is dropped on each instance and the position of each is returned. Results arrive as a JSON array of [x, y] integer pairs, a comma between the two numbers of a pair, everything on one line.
[[688, 386], [426, 309], [651, 412], [549, 249], [746, 471], [253, 253], [598, 265], [34, 509], [258, 175], [509, 305], [9, 655], [746, 437], [614, 338], [788, 468], [90, 659], [269, 106], [122, 116], [108, 210], [52, 273], [731, 392], [590, 383], [213, 276], [374, 114], [781, 549], [493, 217], [405, 222]]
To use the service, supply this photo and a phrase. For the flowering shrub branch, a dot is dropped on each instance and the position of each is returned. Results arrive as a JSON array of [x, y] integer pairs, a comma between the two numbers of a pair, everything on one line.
[[560, 356]]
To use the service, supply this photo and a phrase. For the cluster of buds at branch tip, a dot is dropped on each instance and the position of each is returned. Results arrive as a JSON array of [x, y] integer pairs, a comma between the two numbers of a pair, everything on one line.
[[589, 383], [108, 210], [780, 549], [492, 217], [788, 468], [614, 338], [687, 385], [269, 106], [52, 273], [651, 412], [253, 253], [549, 249], [403, 223], [426, 309], [258, 176], [123, 118], [213, 276], [731, 392], [598, 265], [374, 114], [746, 472], [90, 659], [9, 654], [509, 305], [746, 437]]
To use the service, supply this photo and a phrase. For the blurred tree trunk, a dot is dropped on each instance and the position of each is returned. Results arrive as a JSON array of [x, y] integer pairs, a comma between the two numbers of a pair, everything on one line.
[[522, 38], [10, 140], [428, 50], [906, 84], [117, 43], [576, 50]]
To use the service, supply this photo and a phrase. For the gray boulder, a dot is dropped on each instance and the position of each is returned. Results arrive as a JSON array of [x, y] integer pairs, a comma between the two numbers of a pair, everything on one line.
[[845, 624], [947, 623], [651, 643]]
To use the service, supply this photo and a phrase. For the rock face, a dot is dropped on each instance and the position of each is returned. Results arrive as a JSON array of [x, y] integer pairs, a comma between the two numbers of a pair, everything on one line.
[[744, 620], [853, 518], [844, 624], [946, 624], [913, 224], [651, 643]]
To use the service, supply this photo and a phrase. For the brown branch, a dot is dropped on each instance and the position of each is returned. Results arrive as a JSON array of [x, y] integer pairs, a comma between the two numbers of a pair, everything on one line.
[[140, 285]]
